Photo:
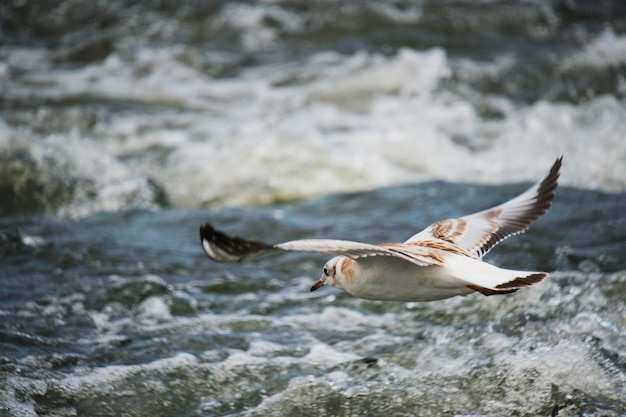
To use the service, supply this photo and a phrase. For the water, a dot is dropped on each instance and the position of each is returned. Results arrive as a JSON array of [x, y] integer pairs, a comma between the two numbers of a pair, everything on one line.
[[125, 126]]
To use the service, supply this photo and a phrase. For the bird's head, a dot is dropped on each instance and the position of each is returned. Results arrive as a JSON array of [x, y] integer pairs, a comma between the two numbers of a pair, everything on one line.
[[331, 274]]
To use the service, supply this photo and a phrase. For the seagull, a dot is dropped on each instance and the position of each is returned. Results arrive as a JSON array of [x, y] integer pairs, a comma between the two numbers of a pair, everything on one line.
[[444, 260]]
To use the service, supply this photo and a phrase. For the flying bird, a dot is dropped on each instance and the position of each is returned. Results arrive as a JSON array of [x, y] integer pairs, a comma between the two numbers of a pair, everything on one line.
[[444, 260]]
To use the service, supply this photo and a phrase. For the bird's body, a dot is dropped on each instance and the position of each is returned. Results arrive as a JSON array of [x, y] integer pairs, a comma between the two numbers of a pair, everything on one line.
[[394, 279], [442, 261]]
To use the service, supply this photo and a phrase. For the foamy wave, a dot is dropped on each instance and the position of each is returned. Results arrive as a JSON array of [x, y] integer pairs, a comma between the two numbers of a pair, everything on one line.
[[332, 123], [374, 121], [72, 176], [608, 50]]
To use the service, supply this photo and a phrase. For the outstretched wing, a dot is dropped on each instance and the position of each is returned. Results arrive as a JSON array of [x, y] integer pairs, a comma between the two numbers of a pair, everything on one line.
[[478, 233], [224, 248]]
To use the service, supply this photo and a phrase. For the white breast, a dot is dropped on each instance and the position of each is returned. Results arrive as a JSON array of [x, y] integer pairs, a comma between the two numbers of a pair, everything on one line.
[[394, 279]]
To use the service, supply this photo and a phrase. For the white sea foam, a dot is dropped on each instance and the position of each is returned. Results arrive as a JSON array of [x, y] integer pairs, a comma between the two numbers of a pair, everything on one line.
[[367, 121], [565, 364], [91, 178], [607, 50], [248, 21], [330, 123], [153, 308], [108, 378], [322, 354], [338, 319]]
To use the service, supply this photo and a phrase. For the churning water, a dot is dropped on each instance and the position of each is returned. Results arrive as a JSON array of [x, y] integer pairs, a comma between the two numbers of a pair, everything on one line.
[[125, 125]]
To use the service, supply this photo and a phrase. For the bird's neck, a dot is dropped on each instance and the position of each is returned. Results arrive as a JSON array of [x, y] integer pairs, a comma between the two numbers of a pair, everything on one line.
[[347, 271]]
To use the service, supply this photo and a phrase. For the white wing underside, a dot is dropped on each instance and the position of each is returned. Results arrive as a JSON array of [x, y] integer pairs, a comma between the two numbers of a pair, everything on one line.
[[412, 253], [224, 248]]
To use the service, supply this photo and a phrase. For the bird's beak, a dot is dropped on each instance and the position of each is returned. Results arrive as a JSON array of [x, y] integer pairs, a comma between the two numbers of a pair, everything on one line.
[[319, 283]]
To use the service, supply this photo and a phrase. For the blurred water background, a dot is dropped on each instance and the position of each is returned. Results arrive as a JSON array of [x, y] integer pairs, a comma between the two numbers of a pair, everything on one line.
[[124, 125]]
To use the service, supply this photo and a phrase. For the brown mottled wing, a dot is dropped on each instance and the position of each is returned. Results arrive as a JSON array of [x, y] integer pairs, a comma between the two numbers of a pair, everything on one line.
[[224, 248], [478, 233]]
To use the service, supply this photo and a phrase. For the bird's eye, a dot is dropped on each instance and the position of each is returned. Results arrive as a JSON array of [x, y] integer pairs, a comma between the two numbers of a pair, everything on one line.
[[325, 271]]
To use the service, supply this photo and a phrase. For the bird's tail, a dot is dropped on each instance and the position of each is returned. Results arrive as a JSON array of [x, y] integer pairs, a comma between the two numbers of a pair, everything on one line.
[[524, 279], [488, 279]]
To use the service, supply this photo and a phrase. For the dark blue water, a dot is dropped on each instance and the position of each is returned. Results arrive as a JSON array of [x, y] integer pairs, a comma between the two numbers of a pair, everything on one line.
[[126, 125], [100, 314]]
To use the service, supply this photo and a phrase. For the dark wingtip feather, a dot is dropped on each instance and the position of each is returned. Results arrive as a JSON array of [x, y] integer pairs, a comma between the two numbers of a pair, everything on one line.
[[526, 281], [224, 248], [544, 195], [547, 188], [488, 291], [546, 191]]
